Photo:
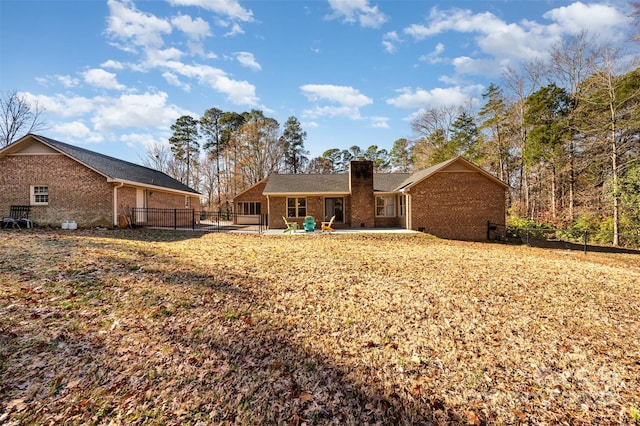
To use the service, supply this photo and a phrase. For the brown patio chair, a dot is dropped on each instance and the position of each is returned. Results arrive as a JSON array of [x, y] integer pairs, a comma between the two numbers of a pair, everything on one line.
[[327, 226]]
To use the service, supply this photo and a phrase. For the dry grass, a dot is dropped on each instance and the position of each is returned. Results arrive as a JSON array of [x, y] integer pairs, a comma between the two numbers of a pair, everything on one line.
[[137, 327]]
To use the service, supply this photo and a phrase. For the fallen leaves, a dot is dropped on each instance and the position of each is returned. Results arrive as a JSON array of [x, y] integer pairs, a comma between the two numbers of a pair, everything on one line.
[[172, 328]]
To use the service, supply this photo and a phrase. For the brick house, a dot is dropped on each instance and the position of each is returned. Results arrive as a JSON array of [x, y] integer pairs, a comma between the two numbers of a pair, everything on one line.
[[64, 182], [454, 199]]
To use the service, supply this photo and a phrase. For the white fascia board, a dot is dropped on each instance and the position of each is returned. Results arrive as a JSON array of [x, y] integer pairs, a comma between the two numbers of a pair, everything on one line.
[[155, 187]]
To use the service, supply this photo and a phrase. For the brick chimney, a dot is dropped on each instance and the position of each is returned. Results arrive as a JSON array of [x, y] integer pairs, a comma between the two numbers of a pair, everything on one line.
[[361, 187]]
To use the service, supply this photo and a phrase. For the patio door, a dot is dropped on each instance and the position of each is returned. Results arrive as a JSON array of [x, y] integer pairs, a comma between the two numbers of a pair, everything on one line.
[[334, 207]]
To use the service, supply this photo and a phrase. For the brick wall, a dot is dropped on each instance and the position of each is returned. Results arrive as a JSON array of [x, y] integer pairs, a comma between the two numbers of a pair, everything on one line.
[[457, 205], [252, 194], [278, 209], [75, 192]]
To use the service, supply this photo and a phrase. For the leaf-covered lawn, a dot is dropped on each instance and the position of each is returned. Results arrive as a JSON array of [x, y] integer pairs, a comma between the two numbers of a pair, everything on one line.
[[135, 327]]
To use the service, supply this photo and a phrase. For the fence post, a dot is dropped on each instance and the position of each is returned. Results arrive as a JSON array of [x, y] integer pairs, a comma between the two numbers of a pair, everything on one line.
[[584, 237], [193, 219], [175, 219]]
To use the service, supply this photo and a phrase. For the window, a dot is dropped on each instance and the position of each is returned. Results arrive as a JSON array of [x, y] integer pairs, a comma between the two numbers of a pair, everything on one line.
[[402, 205], [39, 195], [248, 207], [296, 207], [385, 206], [187, 201]]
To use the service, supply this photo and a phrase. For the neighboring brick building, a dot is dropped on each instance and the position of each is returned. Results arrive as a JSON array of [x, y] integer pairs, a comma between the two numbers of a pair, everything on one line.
[[454, 199], [63, 182]]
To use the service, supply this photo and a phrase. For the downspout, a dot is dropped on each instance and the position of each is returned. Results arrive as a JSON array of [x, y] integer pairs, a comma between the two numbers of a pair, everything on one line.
[[409, 212], [268, 211], [115, 203]]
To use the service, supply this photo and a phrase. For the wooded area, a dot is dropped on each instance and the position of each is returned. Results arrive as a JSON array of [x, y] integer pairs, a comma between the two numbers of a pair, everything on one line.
[[563, 133]]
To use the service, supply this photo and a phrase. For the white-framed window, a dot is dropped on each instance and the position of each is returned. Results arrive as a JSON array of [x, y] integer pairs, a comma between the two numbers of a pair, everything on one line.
[[39, 195], [187, 201], [296, 207], [248, 207], [402, 205], [385, 206]]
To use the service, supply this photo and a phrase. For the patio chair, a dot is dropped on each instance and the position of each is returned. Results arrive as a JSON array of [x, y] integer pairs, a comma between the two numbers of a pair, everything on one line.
[[327, 226], [291, 226], [18, 215], [309, 224]]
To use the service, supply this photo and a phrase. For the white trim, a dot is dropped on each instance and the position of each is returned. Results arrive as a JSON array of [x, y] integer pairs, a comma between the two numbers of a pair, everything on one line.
[[115, 204], [306, 194], [154, 187], [32, 195]]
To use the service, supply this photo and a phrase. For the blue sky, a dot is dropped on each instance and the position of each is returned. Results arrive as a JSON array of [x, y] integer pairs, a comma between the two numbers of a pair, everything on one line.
[[114, 75]]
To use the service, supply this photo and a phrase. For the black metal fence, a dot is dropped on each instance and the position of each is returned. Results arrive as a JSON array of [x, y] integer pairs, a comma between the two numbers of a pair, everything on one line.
[[185, 219], [575, 239]]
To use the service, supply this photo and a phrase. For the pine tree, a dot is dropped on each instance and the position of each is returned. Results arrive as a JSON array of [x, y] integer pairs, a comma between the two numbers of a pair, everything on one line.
[[293, 140], [184, 143]]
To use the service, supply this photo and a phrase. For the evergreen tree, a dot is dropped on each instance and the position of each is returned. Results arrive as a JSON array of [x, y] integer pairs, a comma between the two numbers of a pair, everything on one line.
[[547, 110], [184, 144], [400, 154], [293, 140], [465, 138], [211, 127], [494, 114]]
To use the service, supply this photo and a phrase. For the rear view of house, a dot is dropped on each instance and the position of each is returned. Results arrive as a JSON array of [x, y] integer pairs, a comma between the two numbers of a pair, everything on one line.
[[454, 199], [64, 182]]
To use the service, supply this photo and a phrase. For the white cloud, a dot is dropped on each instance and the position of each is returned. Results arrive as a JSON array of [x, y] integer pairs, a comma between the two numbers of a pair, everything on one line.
[[343, 95], [195, 29], [434, 56], [597, 18], [235, 30], [159, 57], [248, 60], [173, 80], [61, 105], [66, 80], [504, 42], [127, 24], [238, 92], [133, 110], [229, 8], [143, 140], [379, 122], [419, 98], [348, 100], [389, 41], [116, 65], [103, 79], [357, 10], [76, 130]]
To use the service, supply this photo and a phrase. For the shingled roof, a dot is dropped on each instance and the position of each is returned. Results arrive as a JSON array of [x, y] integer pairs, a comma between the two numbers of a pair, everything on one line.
[[115, 169], [285, 184], [327, 183]]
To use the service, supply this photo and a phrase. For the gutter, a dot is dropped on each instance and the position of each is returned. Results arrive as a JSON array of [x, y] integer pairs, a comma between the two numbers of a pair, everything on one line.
[[154, 187]]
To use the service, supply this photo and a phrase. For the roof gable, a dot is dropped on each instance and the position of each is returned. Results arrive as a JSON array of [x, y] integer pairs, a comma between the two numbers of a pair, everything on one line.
[[455, 164], [112, 168]]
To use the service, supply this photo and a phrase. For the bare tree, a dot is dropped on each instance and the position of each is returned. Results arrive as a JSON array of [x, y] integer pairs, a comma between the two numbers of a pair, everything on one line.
[[609, 99], [571, 62], [158, 157], [19, 117]]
